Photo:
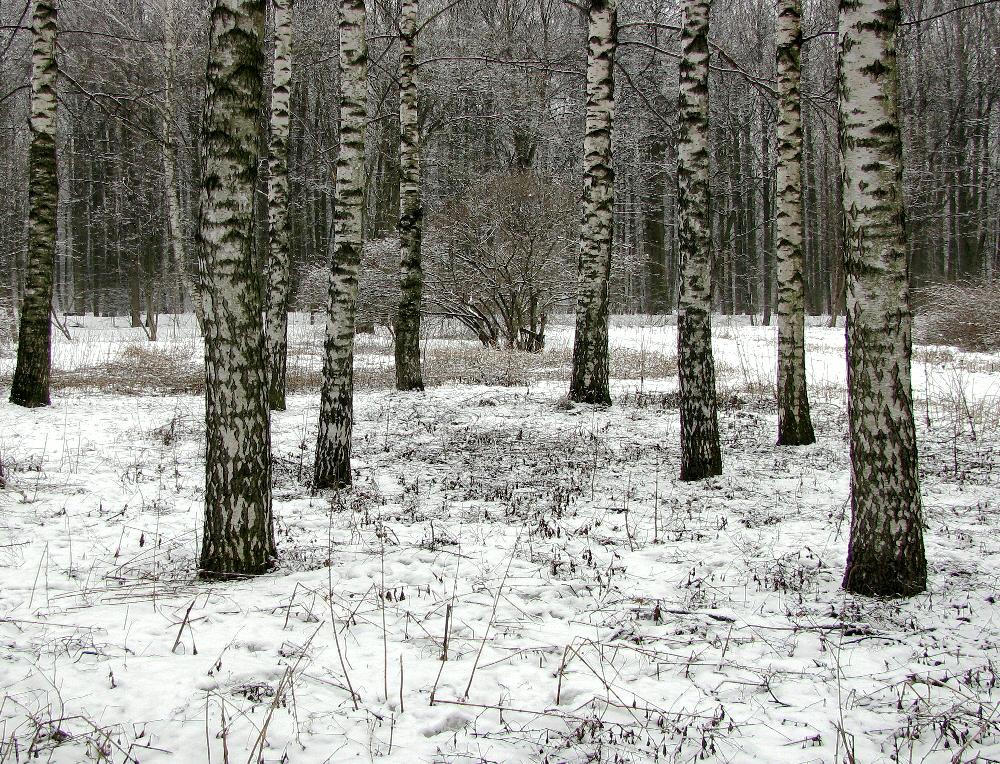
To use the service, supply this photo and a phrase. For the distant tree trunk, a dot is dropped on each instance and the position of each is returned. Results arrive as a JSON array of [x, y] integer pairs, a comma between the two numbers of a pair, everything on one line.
[[135, 296], [30, 385], [886, 550], [590, 347], [276, 320], [239, 536], [336, 413], [654, 229], [794, 422], [411, 211], [767, 251], [700, 452], [175, 229]]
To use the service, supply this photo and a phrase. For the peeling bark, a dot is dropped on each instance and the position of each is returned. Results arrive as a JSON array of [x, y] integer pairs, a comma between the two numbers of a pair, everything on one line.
[[886, 550]]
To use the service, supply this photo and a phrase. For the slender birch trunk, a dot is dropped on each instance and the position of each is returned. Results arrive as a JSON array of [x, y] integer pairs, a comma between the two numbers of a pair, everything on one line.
[[238, 537], [175, 231], [700, 453], [30, 385], [336, 413], [276, 319], [589, 382], [794, 423], [886, 551], [411, 208]]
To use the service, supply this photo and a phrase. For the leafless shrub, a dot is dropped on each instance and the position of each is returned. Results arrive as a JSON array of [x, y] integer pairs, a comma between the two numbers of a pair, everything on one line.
[[964, 314]]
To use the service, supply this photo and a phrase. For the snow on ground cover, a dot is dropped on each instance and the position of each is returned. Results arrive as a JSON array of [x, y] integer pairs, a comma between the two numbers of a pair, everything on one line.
[[589, 606]]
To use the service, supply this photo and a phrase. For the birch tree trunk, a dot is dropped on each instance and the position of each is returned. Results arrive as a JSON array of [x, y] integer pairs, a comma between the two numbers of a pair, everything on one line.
[[794, 423], [276, 319], [30, 385], [589, 382], [238, 537], [336, 413], [411, 210], [886, 550], [186, 290], [700, 453]]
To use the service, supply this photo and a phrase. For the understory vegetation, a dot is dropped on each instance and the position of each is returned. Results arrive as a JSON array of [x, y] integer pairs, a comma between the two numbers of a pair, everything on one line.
[[512, 578]]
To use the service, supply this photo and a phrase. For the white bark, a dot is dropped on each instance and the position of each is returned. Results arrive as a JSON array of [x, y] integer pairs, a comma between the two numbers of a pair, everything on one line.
[[336, 414], [30, 385], [276, 322], [794, 421], [589, 383], [239, 536], [700, 453], [886, 552]]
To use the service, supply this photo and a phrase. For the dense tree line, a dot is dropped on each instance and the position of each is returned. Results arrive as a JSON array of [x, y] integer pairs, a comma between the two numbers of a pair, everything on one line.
[[501, 92]]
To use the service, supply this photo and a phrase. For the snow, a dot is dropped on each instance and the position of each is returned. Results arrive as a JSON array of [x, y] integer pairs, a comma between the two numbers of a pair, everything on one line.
[[596, 608]]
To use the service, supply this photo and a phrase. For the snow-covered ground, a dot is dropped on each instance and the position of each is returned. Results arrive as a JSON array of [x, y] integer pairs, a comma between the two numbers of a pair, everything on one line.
[[511, 579]]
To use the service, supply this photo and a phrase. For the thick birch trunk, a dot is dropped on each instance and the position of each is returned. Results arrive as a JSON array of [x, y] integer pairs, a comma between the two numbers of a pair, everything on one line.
[[589, 382], [336, 413], [794, 423], [30, 385], [239, 536], [886, 551], [276, 320], [700, 453], [411, 211]]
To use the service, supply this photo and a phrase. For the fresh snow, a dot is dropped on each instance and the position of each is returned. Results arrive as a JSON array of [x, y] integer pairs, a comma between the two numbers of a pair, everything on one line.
[[596, 609]]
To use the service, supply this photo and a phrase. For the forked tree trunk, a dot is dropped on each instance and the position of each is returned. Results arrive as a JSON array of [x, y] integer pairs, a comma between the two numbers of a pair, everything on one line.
[[336, 412], [886, 551], [589, 382], [30, 385], [700, 453], [794, 423], [411, 210], [239, 536], [276, 321]]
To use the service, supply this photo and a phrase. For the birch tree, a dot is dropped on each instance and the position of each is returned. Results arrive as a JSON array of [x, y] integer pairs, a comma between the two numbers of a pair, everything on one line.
[[276, 319], [175, 231], [238, 537], [30, 385], [589, 383], [336, 413], [411, 211], [700, 453], [794, 423], [886, 549]]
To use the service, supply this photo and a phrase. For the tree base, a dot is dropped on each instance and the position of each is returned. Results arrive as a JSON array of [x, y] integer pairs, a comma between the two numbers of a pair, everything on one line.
[[701, 470], [598, 396], [795, 433], [885, 581]]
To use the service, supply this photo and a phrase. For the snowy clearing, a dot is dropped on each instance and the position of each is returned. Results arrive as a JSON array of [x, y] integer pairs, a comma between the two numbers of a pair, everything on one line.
[[512, 579]]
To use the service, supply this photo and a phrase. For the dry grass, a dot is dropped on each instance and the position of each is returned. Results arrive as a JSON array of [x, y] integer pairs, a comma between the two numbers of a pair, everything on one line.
[[171, 369]]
